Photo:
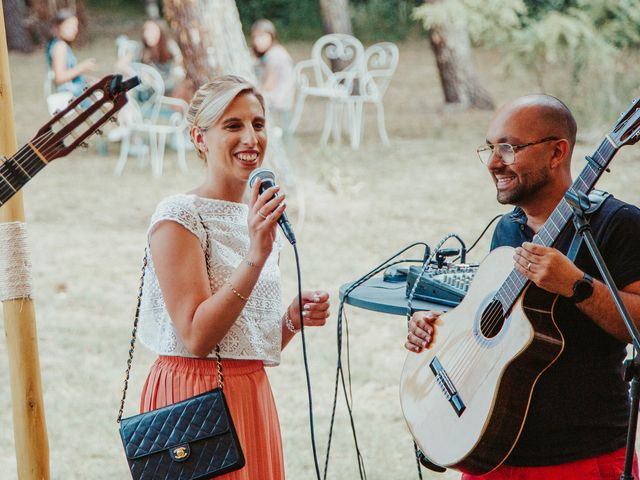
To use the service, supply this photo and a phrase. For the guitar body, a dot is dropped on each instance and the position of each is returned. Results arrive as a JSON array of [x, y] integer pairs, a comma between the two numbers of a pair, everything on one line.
[[471, 415]]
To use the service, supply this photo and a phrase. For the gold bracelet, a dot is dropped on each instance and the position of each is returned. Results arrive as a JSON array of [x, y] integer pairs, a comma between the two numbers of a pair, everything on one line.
[[252, 264], [237, 293]]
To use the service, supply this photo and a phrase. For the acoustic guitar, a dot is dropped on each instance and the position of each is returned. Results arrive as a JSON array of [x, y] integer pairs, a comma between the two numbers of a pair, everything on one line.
[[465, 399], [65, 131]]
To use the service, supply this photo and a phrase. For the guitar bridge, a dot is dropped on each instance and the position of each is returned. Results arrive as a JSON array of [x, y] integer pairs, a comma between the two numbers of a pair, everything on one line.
[[447, 387]]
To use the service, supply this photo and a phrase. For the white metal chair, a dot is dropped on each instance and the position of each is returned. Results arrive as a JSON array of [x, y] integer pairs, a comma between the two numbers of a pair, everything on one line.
[[154, 120], [316, 78], [55, 100], [380, 63], [128, 50]]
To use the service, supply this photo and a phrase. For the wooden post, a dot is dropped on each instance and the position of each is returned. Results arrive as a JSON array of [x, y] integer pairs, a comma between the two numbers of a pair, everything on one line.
[[30, 430]]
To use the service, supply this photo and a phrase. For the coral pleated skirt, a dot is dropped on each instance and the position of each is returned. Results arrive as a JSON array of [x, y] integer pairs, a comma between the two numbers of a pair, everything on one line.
[[248, 393]]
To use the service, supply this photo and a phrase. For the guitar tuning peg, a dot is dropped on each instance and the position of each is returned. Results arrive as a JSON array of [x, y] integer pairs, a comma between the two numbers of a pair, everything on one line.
[[83, 145], [114, 120], [98, 131]]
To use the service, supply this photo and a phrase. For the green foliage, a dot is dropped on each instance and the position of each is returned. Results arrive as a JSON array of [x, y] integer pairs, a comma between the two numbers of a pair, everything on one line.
[[489, 22], [617, 20], [575, 50], [379, 20], [373, 20], [294, 19], [135, 7]]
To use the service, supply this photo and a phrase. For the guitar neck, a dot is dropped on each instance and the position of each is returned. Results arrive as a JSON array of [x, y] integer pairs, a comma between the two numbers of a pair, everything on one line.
[[16, 171], [559, 219]]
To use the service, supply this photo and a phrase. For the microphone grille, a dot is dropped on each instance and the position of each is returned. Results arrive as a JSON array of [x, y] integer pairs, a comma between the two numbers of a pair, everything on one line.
[[262, 174]]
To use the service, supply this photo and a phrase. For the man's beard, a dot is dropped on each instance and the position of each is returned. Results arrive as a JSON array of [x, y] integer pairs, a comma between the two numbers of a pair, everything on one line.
[[528, 185]]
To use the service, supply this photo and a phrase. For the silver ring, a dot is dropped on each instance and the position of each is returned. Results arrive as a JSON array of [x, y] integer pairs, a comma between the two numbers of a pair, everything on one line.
[[262, 214], [529, 266]]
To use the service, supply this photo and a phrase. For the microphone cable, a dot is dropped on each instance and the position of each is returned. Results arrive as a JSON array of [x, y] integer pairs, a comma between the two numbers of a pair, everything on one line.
[[306, 366], [340, 376]]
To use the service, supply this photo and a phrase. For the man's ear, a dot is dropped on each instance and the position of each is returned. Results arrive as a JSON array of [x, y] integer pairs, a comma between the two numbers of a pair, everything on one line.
[[561, 153]]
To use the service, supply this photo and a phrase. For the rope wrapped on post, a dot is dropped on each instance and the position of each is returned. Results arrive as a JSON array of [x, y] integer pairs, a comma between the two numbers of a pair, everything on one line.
[[15, 267]]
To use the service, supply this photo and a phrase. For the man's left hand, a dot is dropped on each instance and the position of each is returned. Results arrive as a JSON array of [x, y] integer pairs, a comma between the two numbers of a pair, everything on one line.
[[547, 267]]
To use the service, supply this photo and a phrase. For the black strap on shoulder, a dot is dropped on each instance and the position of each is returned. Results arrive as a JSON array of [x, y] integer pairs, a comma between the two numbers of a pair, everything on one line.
[[596, 199]]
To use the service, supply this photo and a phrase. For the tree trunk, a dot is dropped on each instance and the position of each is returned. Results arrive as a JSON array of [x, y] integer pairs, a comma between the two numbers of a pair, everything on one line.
[[335, 16], [336, 19], [185, 19], [460, 83], [14, 18], [41, 13]]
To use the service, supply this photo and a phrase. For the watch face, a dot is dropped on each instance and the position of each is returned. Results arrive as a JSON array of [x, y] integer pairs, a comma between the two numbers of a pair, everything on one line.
[[582, 290]]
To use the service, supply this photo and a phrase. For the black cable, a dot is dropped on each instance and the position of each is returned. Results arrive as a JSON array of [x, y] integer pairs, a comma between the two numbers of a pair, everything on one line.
[[483, 232], [340, 378], [415, 451], [306, 366], [481, 235]]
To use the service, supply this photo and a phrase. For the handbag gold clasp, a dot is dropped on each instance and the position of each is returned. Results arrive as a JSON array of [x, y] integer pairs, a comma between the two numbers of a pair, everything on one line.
[[180, 453]]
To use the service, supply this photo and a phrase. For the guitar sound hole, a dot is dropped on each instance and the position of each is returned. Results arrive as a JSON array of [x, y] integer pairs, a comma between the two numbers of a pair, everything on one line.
[[492, 319]]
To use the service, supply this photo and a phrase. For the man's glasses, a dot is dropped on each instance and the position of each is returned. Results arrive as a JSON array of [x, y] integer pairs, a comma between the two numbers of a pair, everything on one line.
[[505, 151]]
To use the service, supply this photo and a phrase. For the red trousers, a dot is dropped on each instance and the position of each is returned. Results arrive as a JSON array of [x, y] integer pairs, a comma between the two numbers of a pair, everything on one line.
[[603, 467]]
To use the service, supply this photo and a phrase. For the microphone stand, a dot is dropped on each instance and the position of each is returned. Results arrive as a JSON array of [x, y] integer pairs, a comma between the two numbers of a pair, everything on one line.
[[579, 203]]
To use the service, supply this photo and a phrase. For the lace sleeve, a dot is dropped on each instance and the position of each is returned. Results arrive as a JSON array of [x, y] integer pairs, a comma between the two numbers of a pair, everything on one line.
[[182, 210]]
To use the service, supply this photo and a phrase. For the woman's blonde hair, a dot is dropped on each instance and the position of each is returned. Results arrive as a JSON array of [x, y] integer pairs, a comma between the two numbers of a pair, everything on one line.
[[212, 99]]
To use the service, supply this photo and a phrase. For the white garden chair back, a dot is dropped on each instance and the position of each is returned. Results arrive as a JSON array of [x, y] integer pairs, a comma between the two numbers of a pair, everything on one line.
[[380, 63], [316, 78], [155, 119]]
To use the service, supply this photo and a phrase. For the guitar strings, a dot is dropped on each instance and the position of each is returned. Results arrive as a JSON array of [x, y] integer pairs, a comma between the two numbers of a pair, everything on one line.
[[7, 187], [38, 142]]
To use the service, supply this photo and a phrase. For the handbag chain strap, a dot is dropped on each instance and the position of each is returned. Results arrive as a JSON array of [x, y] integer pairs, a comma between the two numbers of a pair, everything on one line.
[[137, 316]]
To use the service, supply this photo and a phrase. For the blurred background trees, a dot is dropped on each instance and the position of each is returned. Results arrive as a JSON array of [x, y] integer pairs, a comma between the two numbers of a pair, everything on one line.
[[582, 50]]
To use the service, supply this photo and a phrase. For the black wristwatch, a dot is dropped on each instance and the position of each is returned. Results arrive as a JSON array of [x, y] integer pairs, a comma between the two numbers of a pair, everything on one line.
[[582, 289]]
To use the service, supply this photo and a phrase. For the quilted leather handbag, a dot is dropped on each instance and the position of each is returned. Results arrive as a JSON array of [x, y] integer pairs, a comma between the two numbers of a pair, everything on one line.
[[190, 440]]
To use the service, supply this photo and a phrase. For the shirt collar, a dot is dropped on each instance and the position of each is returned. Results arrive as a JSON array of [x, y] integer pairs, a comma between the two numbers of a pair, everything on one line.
[[518, 216]]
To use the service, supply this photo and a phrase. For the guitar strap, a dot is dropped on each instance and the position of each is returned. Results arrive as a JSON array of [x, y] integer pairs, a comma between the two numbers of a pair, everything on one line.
[[596, 199]]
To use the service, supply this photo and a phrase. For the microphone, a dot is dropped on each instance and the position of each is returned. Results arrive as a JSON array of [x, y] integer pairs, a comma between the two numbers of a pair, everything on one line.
[[268, 180]]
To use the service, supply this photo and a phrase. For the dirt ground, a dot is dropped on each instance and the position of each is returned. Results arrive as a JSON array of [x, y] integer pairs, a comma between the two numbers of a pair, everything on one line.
[[87, 229]]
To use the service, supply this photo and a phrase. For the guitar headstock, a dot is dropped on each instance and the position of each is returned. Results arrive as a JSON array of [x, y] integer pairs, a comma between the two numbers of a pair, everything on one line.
[[82, 117], [627, 130]]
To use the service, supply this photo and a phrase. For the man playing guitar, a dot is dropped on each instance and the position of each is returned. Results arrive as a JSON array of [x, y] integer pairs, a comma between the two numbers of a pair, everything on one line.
[[577, 419]]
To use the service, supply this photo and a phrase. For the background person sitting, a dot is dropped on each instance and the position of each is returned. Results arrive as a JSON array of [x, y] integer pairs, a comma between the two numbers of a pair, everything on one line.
[[68, 74], [162, 52]]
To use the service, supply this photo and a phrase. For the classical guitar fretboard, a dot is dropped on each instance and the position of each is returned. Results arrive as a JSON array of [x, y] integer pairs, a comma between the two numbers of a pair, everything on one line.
[[16, 171]]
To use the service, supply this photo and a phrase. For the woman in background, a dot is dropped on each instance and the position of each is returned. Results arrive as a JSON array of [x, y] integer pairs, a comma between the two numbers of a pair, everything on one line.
[[161, 52], [68, 74], [275, 71]]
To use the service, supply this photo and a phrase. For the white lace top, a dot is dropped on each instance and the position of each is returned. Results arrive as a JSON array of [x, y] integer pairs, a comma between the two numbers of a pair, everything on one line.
[[257, 333]]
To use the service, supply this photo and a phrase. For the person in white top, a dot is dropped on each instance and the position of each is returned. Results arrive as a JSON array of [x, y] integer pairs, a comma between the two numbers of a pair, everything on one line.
[[185, 312], [275, 71]]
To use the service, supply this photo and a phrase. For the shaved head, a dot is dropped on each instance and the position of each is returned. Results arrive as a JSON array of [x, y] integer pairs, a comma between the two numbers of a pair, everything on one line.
[[551, 116]]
